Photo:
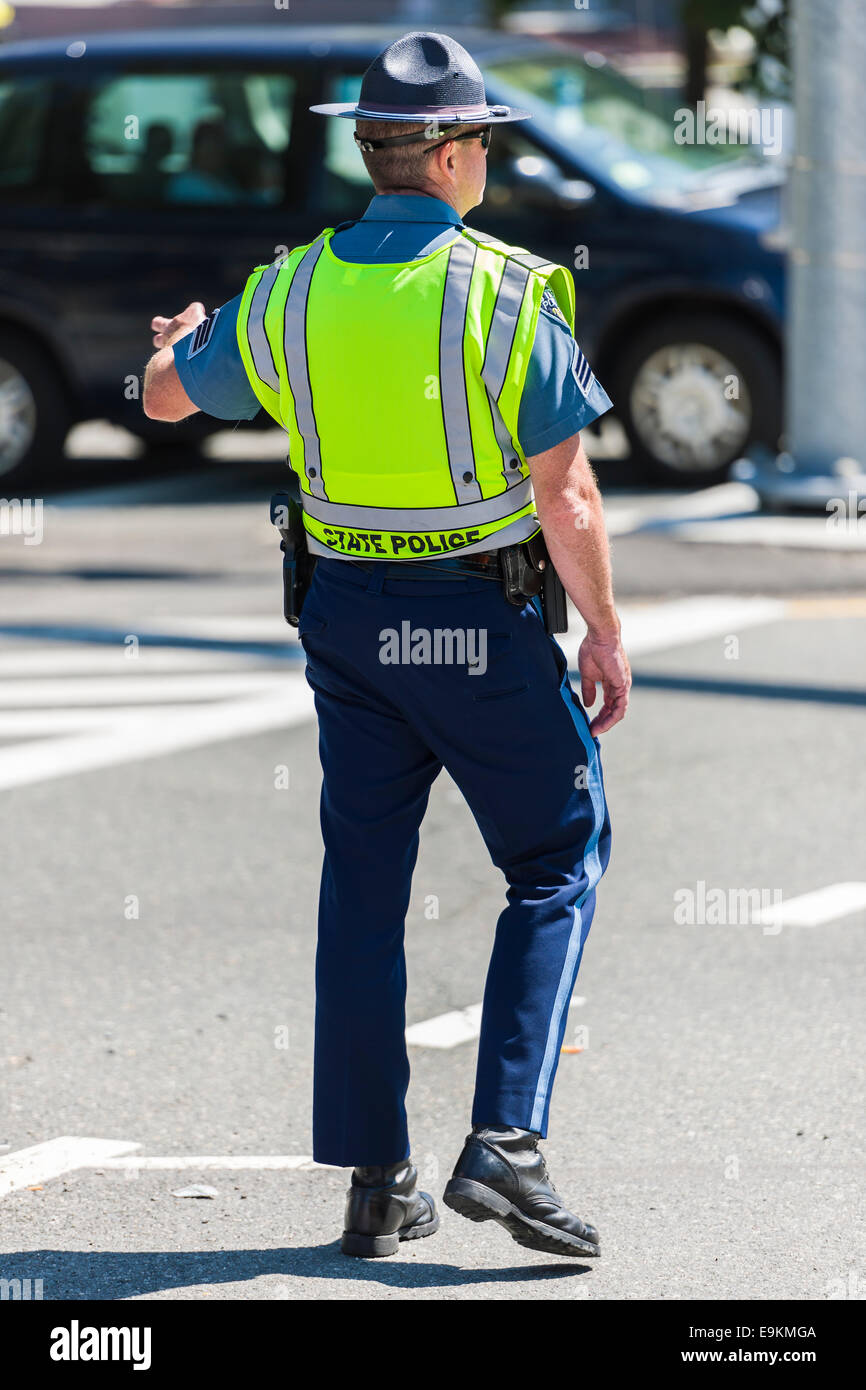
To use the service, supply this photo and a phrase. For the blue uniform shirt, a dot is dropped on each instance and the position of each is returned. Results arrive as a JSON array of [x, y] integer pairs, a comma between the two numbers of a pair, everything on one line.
[[561, 395]]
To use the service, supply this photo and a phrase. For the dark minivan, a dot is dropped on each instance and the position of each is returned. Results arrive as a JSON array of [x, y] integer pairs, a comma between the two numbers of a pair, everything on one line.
[[139, 171]]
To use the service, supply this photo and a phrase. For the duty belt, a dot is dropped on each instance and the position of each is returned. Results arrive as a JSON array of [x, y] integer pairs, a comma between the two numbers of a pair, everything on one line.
[[486, 563], [523, 571]]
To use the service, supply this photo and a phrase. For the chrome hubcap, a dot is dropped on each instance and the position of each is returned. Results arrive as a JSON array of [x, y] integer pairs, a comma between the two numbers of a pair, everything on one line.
[[17, 416], [691, 407]]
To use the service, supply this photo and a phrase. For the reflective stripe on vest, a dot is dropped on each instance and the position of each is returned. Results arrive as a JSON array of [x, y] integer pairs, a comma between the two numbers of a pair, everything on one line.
[[295, 350], [399, 386]]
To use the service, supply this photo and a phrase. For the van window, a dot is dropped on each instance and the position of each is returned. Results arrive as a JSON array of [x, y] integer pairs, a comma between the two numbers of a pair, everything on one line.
[[23, 114], [194, 139], [345, 187]]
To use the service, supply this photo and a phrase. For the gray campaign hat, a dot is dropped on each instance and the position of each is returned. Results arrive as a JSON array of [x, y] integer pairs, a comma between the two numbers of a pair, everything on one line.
[[419, 77]]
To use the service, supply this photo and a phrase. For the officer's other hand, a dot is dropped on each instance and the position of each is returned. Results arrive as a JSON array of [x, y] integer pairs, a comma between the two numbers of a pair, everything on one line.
[[167, 331], [602, 660]]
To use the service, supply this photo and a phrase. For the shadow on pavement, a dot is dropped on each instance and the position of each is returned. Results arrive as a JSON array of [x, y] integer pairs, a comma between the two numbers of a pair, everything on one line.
[[108, 1275]]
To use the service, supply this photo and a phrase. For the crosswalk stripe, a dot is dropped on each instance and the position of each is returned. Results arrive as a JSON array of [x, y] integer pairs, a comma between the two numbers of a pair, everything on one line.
[[230, 1162], [40, 1162], [658, 626], [728, 514], [133, 735], [815, 908], [74, 709], [59, 662], [122, 689]]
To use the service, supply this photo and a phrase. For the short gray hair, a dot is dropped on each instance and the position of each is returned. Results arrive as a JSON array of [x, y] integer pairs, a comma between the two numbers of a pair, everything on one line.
[[401, 166]]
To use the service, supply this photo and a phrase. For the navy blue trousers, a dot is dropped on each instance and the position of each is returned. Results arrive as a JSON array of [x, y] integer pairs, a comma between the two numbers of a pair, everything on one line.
[[514, 737]]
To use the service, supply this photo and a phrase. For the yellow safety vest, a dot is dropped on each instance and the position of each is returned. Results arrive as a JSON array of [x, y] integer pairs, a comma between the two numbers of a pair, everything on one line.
[[399, 386]]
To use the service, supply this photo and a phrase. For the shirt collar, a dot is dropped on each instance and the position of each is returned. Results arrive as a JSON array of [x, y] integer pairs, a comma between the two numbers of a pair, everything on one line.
[[411, 207]]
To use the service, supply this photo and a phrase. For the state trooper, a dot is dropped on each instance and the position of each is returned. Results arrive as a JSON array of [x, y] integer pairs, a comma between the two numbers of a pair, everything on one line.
[[433, 394]]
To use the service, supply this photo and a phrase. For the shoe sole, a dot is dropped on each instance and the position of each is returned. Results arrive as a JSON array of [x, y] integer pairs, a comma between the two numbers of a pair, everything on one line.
[[479, 1203], [372, 1247]]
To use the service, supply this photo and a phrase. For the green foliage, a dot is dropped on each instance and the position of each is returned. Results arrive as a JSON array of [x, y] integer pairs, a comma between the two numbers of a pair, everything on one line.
[[711, 14], [770, 22]]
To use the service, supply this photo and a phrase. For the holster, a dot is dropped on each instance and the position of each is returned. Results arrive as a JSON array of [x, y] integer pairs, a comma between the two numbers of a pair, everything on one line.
[[298, 564], [527, 571]]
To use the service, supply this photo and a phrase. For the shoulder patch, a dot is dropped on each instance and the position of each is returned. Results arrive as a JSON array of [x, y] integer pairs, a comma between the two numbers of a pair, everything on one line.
[[551, 304], [199, 339]]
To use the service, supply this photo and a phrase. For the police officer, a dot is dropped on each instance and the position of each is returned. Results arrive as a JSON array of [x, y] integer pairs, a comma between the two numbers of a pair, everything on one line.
[[433, 394]]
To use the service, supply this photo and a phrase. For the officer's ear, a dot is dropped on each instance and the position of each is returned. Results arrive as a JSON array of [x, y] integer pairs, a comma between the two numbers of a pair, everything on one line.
[[446, 157]]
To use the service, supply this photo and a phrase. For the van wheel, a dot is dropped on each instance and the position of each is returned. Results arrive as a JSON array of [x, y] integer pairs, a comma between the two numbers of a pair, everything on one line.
[[34, 411], [693, 391]]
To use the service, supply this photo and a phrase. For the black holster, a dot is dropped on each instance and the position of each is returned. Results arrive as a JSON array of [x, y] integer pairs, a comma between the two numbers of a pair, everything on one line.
[[298, 564], [527, 571]]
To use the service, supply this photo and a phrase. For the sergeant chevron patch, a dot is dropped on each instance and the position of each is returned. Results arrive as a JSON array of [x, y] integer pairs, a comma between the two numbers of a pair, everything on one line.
[[199, 339], [582, 370]]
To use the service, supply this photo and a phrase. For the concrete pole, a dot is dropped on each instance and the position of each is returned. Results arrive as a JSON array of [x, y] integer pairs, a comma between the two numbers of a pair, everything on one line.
[[825, 408]]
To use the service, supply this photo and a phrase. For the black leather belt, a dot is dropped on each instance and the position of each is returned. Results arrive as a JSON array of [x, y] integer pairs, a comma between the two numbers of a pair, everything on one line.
[[484, 562]]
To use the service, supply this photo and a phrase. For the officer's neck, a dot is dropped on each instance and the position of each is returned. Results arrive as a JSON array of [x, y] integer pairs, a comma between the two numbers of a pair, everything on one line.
[[430, 191]]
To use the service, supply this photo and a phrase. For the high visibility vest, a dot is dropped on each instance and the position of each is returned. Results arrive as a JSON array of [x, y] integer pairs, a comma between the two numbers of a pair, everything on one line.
[[399, 386]]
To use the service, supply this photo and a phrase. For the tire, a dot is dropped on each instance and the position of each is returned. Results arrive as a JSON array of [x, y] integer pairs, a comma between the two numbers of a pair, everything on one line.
[[693, 391], [34, 411]]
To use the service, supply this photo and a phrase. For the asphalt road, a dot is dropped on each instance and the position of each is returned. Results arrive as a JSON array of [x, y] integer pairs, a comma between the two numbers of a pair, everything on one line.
[[160, 888]]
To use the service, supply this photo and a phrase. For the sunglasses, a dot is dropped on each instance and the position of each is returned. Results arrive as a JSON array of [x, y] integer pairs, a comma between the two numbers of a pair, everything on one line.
[[484, 135]]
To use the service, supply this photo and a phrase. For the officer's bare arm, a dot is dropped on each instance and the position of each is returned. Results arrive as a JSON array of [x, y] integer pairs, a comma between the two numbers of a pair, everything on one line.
[[569, 508], [163, 397]]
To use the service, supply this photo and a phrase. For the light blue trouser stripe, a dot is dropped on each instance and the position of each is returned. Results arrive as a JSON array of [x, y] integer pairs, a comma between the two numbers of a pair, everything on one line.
[[593, 870]]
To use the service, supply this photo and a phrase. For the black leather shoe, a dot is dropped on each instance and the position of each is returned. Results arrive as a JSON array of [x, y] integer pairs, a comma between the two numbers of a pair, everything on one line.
[[501, 1176], [383, 1207]]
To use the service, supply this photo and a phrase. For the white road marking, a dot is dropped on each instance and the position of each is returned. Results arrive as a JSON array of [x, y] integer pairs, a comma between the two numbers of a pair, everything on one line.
[[627, 513], [230, 1162], [658, 626], [30, 1167], [651, 626], [44, 1162], [58, 660], [446, 1030], [233, 627], [116, 690], [458, 1026], [132, 735], [792, 532], [728, 514], [814, 909], [106, 713]]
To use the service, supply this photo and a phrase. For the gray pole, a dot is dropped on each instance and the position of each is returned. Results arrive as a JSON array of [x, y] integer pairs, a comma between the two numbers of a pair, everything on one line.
[[825, 415]]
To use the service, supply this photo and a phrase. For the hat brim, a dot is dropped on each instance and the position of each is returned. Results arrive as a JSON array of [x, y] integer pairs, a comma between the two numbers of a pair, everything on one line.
[[496, 115]]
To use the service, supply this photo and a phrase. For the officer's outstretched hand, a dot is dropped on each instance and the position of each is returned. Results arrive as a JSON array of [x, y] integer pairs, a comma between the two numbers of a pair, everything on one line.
[[605, 662], [167, 331]]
